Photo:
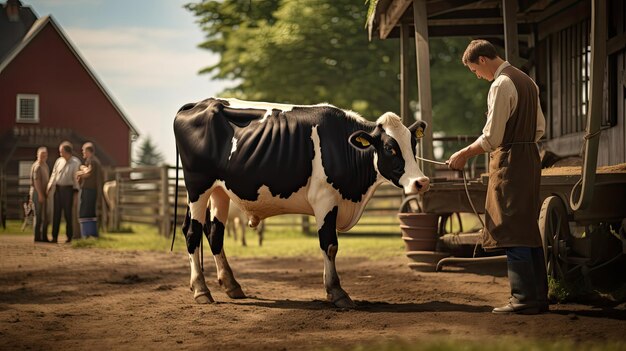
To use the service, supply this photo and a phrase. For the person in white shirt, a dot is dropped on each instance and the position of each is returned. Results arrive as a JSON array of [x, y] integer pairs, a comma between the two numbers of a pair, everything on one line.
[[63, 181], [514, 125]]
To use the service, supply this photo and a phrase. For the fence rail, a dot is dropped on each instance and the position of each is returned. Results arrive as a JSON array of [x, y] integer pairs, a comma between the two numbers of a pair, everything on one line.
[[148, 195]]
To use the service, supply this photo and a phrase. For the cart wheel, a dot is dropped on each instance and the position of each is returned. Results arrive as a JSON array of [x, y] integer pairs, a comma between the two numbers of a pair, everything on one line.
[[554, 229]]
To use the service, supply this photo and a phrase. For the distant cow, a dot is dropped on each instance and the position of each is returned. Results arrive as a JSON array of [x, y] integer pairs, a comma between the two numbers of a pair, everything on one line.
[[238, 221], [273, 159]]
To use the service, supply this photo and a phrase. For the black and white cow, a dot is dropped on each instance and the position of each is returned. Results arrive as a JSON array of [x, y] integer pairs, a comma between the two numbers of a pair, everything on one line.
[[273, 159]]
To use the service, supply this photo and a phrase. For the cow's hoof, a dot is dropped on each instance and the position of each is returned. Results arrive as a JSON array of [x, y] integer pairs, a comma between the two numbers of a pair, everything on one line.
[[342, 301], [203, 298], [345, 302], [236, 293]]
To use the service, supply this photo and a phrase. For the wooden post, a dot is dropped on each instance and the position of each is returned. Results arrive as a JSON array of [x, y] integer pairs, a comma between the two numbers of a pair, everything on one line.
[[511, 40], [103, 224], [420, 20], [165, 202], [594, 113], [306, 226], [115, 220], [405, 109]]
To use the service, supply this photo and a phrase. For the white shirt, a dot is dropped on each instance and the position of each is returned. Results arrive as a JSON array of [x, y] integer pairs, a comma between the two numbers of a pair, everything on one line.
[[65, 175], [501, 103]]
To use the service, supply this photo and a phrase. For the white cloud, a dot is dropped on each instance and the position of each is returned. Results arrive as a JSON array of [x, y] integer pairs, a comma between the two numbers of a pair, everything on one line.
[[141, 57], [151, 72]]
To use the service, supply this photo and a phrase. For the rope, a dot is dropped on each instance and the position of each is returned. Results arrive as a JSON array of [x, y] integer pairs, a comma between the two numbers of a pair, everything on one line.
[[469, 198], [592, 135]]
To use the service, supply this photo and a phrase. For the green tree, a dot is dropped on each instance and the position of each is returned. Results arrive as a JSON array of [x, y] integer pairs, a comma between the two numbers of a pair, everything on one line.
[[305, 52], [148, 155], [311, 51], [459, 98]]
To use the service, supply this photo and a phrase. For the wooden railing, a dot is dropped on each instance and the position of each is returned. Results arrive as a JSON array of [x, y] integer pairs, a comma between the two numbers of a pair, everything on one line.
[[147, 195]]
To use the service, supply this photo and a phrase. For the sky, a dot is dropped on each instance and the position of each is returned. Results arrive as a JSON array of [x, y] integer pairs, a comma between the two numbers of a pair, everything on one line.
[[145, 53]]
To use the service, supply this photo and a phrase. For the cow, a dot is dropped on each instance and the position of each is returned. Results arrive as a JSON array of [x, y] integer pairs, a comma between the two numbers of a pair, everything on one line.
[[273, 159], [237, 222]]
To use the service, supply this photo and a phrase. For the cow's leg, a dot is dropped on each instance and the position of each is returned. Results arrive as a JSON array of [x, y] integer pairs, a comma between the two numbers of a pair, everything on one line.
[[219, 215], [242, 224], [326, 224], [192, 228]]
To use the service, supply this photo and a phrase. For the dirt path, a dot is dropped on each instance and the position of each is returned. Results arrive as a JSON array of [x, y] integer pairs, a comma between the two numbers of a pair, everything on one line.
[[74, 299]]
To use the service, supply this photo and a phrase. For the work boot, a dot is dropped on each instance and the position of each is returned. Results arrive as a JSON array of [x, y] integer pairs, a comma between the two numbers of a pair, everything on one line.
[[541, 279], [523, 289]]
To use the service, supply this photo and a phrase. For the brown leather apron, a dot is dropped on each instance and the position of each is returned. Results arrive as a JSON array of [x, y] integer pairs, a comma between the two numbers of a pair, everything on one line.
[[512, 205]]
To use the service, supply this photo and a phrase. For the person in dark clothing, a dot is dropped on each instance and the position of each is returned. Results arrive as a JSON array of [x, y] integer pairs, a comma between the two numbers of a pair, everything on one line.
[[90, 177], [64, 185], [514, 125]]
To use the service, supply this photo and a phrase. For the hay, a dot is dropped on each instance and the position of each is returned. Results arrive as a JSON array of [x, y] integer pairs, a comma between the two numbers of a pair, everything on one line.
[[619, 168]]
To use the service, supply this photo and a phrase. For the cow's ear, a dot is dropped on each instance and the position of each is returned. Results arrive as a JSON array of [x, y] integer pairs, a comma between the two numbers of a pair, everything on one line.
[[417, 129], [361, 140]]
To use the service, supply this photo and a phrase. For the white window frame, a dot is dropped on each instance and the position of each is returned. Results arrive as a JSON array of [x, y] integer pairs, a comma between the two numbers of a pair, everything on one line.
[[18, 117]]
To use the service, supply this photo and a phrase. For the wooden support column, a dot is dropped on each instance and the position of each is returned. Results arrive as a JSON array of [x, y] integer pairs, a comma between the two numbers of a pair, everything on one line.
[[420, 20], [511, 40], [405, 109], [594, 113]]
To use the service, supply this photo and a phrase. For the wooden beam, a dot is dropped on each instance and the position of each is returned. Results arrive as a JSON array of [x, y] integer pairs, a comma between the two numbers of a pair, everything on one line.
[[440, 7], [594, 115], [420, 21], [509, 9], [405, 109], [616, 44], [390, 18]]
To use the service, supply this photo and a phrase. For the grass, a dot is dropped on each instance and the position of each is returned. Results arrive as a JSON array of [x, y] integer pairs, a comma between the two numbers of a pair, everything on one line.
[[496, 344], [279, 242]]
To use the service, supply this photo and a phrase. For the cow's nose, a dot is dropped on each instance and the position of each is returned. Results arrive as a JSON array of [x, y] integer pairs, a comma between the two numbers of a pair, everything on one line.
[[422, 183]]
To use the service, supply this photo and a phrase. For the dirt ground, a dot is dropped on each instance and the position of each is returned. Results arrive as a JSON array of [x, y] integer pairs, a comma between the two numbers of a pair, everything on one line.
[[55, 297]]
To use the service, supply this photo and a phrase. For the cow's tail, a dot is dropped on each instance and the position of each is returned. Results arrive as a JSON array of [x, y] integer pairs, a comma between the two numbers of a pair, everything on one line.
[[175, 203]]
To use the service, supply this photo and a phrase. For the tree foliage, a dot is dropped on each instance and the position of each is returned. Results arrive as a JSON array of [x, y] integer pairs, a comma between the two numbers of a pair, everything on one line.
[[148, 155], [311, 51]]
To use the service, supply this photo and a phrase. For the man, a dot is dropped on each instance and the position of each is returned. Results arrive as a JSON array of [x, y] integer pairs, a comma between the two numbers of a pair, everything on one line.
[[514, 124], [63, 181], [90, 175], [39, 177]]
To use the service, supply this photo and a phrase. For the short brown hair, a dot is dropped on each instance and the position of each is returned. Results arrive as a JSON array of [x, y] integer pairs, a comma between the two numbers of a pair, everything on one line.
[[67, 147], [478, 48], [89, 147]]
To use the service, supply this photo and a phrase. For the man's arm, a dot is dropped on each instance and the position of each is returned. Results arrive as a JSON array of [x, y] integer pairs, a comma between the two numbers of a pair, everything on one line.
[[39, 188], [459, 158], [53, 176]]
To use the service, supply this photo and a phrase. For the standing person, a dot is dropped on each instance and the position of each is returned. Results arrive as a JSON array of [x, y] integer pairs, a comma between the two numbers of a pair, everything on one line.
[[39, 177], [90, 177], [65, 184], [514, 124]]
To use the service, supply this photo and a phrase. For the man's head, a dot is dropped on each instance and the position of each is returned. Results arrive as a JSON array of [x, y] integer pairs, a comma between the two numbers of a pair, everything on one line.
[[65, 150], [88, 150], [482, 59], [42, 154]]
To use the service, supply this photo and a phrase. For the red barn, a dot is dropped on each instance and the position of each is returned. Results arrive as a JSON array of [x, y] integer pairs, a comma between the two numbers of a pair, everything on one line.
[[48, 93]]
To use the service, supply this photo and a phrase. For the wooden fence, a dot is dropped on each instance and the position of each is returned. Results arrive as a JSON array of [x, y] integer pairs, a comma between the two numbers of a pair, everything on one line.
[[147, 195]]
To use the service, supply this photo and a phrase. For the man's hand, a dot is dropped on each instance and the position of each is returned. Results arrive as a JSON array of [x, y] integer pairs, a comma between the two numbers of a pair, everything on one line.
[[41, 197], [457, 160]]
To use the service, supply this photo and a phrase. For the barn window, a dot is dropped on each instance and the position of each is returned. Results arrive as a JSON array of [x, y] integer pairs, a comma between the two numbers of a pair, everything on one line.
[[27, 110]]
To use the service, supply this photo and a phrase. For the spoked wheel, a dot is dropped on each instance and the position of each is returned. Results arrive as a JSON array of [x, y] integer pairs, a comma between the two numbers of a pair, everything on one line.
[[554, 229]]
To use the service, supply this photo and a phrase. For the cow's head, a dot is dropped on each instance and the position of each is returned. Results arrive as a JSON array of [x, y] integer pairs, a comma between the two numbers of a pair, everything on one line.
[[394, 156]]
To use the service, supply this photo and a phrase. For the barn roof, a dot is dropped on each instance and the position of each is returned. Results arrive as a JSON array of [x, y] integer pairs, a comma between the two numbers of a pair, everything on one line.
[[37, 28]]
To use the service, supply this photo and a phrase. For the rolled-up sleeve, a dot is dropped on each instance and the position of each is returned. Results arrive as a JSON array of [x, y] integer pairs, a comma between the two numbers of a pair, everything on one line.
[[501, 102]]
